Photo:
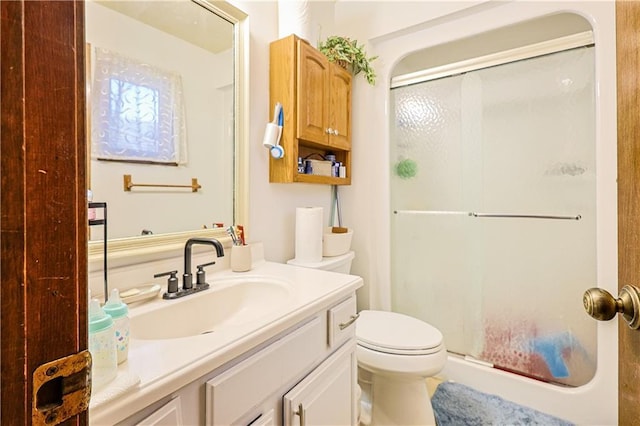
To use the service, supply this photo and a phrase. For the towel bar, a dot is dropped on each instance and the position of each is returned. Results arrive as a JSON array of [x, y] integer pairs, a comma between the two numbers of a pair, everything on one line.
[[128, 184], [488, 215]]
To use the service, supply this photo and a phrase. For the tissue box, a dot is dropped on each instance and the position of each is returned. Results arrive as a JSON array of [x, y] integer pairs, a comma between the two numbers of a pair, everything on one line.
[[335, 244], [320, 167]]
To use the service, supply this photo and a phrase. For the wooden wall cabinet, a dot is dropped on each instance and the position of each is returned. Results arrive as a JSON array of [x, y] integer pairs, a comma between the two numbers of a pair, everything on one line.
[[316, 98]]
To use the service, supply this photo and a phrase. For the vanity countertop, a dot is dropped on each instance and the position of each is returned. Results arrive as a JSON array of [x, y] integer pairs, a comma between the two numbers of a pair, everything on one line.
[[163, 366]]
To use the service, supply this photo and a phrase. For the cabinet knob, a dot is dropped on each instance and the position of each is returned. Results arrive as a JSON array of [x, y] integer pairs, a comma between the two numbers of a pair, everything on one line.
[[335, 132], [329, 131]]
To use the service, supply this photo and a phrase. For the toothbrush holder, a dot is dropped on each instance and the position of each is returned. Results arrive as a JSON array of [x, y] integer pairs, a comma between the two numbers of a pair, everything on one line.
[[241, 258]]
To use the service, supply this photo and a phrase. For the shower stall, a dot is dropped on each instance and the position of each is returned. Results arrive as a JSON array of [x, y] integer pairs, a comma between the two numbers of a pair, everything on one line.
[[493, 231], [501, 215]]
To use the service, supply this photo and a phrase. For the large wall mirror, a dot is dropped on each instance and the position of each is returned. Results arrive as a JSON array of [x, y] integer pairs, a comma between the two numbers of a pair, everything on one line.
[[167, 117]]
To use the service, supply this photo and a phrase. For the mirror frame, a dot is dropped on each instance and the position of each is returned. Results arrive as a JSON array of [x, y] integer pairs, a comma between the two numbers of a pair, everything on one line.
[[130, 250]]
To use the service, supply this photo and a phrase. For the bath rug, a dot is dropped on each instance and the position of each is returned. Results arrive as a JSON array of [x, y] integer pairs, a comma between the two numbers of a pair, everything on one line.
[[455, 404]]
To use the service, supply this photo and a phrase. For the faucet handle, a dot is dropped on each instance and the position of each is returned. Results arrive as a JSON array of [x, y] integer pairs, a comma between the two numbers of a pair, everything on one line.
[[200, 275], [172, 281]]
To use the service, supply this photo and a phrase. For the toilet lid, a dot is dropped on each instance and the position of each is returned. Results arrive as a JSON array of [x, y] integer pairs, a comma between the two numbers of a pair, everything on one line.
[[395, 333]]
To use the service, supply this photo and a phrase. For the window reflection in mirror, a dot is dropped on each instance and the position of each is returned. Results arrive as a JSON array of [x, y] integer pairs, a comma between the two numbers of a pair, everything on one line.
[[180, 38], [138, 111]]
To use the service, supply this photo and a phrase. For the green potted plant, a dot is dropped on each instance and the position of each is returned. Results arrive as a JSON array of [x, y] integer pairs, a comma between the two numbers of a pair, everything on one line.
[[346, 53]]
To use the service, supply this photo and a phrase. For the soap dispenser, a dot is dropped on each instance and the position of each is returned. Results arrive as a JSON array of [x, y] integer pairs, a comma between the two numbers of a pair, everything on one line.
[[119, 311], [102, 346]]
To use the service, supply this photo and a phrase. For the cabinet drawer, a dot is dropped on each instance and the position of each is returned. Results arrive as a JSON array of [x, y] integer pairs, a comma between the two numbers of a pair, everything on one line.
[[230, 394], [341, 322]]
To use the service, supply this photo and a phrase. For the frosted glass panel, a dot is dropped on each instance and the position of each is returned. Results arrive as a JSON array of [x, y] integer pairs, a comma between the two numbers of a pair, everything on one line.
[[515, 139]]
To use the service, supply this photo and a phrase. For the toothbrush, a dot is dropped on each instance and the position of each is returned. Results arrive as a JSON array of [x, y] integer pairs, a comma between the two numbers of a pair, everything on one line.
[[232, 234], [241, 235]]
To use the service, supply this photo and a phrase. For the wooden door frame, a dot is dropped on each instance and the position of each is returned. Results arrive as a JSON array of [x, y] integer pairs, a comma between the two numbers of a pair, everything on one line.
[[628, 111], [43, 221]]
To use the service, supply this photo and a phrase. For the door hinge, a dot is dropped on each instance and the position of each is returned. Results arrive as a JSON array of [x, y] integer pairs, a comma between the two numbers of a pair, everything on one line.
[[61, 389]]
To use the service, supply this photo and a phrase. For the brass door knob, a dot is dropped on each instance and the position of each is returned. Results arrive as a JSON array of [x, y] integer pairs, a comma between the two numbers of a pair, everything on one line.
[[601, 305]]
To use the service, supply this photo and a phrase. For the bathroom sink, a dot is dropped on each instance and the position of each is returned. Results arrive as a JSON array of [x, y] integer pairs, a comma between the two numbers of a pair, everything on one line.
[[229, 302]]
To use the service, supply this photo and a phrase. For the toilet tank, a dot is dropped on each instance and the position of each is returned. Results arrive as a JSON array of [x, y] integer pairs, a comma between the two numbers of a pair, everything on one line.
[[341, 264]]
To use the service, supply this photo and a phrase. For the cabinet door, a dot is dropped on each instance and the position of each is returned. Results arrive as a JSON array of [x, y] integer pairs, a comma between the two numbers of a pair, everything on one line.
[[168, 415], [327, 395], [233, 394], [340, 108], [313, 94]]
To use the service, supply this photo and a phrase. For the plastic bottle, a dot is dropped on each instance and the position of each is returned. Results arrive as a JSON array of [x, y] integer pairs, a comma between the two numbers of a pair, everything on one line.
[[118, 310], [102, 346]]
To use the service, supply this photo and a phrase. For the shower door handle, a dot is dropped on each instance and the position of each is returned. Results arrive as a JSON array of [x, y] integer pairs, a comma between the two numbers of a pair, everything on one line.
[[601, 305]]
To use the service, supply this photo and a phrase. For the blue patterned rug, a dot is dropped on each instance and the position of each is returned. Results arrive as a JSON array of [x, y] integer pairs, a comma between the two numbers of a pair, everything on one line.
[[455, 404]]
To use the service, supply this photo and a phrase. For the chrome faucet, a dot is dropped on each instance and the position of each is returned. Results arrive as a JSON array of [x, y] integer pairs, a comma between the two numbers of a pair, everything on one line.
[[187, 282], [173, 292]]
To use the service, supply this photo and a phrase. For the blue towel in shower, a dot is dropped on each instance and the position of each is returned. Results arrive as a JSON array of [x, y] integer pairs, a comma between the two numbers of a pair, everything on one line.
[[551, 349], [455, 404]]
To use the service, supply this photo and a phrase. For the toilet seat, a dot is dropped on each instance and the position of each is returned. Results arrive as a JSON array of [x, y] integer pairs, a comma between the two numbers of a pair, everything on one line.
[[395, 354], [397, 334]]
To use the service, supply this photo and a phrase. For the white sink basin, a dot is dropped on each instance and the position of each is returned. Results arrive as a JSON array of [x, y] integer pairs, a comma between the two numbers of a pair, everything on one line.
[[229, 302]]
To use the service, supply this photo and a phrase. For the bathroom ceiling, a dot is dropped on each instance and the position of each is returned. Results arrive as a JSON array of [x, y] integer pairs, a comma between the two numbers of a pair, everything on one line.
[[195, 25]]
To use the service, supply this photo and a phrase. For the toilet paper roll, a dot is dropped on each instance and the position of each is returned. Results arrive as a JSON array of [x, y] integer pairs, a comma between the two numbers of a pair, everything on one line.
[[308, 244], [294, 18]]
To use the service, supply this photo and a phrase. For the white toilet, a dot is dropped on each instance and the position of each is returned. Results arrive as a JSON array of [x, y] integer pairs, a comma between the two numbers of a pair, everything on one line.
[[396, 353]]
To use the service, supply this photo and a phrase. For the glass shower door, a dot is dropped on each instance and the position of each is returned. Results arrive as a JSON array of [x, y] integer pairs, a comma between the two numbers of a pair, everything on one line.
[[493, 231]]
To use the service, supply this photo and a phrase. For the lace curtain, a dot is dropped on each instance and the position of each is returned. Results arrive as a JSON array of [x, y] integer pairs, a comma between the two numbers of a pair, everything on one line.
[[137, 111]]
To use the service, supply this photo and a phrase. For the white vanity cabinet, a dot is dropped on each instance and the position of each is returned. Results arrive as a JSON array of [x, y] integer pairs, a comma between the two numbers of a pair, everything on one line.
[[314, 378], [240, 394], [309, 369]]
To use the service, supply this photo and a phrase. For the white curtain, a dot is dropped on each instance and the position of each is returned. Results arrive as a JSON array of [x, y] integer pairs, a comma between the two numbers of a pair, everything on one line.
[[137, 111]]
